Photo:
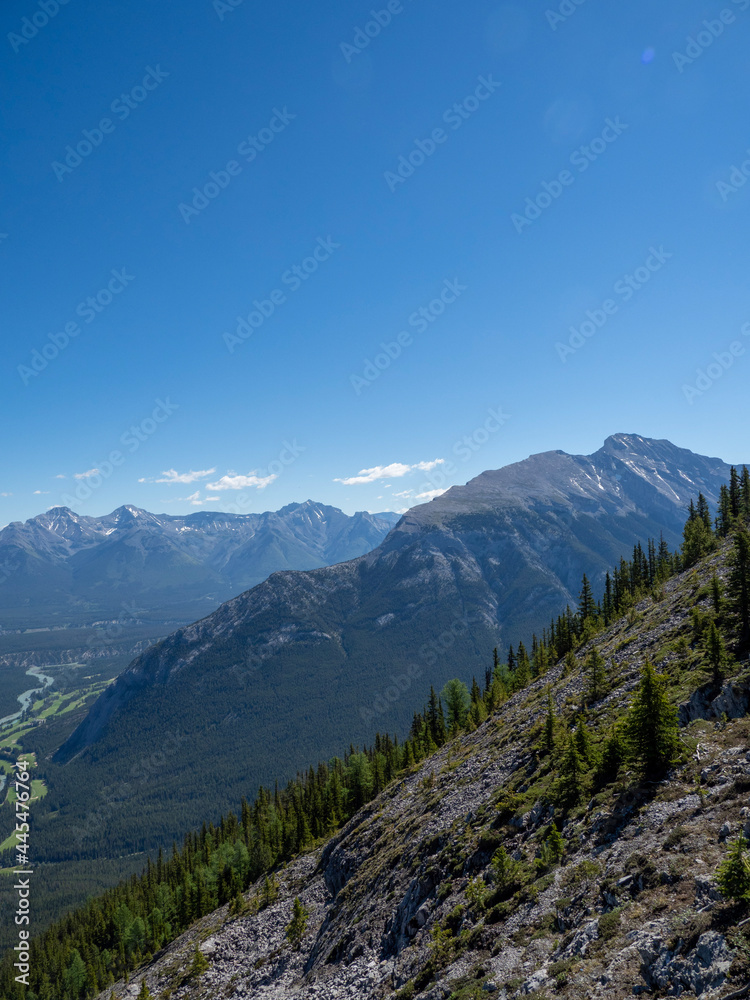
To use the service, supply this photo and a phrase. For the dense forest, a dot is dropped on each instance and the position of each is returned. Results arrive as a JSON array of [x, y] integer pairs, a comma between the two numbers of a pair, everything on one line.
[[112, 934]]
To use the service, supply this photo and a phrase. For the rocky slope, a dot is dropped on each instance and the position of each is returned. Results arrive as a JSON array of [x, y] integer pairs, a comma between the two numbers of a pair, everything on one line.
[[631, 908], [62, 563]]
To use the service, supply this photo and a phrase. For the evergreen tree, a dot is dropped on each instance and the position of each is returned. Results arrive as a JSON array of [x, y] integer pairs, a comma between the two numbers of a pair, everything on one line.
[[586, 603], [698, 539], [572, 783], [297, 926], [716, 654], [733, 875], [613, 756], [651, 727], [198, 965], [596, 672], [145, 993], [717, 594], [455, 694], [739, 582]]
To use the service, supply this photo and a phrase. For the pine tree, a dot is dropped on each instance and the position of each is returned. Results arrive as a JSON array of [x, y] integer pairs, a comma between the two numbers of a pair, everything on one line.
[[297, 926], [651, 728], [716, 654], [572, 783], [145, 993], [739, 582], [733, 875], [455, 694], [597, 674], [613, 756], [199, 964], [586, 603]]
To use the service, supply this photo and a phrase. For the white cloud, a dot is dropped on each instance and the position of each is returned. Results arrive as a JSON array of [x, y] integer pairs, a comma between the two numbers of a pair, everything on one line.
[[430, 495], [393, 471], [86, 475], [6, 494], [172, 476], [41, 493], [405, 494], [61, 477], [251, 481]]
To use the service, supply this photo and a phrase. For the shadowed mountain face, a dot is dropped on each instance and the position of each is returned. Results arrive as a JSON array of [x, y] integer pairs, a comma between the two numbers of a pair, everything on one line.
[[61, 563], [307, 662]]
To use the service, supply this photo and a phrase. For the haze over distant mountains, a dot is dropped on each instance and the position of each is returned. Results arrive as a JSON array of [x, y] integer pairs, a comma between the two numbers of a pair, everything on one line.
[[307, 662], [61, 564]]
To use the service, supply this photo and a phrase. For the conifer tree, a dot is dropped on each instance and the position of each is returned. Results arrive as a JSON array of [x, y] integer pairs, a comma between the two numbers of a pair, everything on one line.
[[455, 694], [596, 672], [739, 582], [572, 783], [145, 993], [586, 603], [651, 729], [716, 654], [198, 965], [297, 926], [733, 875]]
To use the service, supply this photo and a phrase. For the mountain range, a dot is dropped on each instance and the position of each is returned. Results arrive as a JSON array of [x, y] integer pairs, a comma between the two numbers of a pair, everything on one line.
[[307, 662], [62, 566]]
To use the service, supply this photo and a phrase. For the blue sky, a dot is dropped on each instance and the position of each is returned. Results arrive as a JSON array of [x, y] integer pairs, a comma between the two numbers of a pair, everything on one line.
[[514, 172]]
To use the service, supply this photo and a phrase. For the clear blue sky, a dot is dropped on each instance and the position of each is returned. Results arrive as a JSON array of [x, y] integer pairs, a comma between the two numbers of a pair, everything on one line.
[[317, 131]]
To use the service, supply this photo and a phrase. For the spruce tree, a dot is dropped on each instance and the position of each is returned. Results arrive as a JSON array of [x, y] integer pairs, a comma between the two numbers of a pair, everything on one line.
[[297, 926], [733, 875], [716, 654], [586, 603], [651, 728], [596, 672], [572, 783], [145, 993], [739, 582]]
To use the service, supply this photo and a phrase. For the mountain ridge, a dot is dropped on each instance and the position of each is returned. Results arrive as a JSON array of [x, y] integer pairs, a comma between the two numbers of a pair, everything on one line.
[[456, 577], [61, 561]]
